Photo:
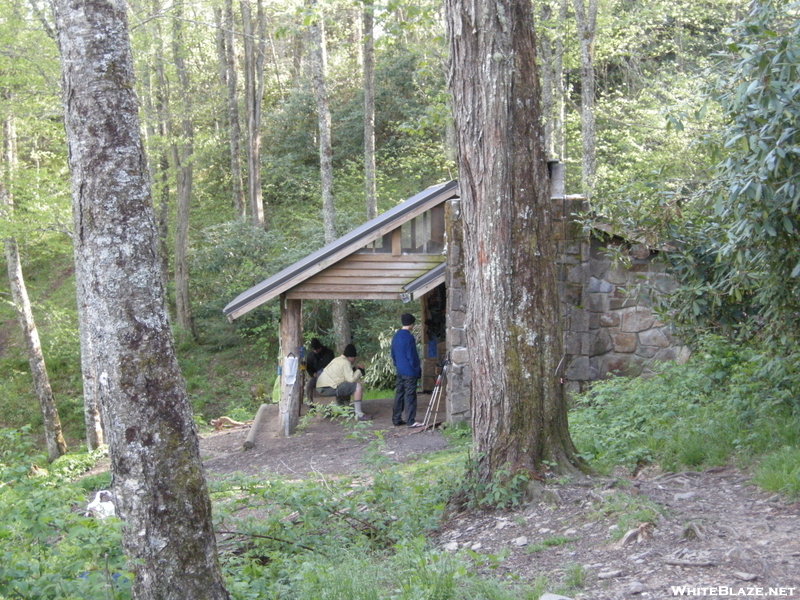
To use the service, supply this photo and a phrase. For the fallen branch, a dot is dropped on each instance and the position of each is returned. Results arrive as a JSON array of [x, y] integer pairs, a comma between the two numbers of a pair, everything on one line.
[[270, 537], [222, 422], [689, 563]]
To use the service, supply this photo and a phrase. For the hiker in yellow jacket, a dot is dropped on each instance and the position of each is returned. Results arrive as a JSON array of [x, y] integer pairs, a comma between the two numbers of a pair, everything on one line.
[[341, 379]]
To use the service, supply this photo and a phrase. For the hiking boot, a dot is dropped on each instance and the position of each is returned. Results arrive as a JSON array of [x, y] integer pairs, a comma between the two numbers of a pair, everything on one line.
[[363, 417]]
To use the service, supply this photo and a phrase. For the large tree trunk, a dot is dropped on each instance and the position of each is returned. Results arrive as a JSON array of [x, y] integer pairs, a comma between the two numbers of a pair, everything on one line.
[[53, 437], [370, 187], [519, 413], [586, 18], [158, 480], [182, 151], [319, 67], [254, 91]]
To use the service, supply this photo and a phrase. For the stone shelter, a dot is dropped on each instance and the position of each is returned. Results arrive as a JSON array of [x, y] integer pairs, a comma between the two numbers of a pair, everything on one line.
[[413, 252]]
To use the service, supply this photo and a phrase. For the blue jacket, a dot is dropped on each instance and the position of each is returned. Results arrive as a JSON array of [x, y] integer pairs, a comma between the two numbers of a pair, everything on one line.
[[404, 354]]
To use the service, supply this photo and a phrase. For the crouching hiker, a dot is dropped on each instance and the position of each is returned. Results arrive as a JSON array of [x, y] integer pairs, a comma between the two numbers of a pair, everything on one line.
[[319, 358], [340, 379]]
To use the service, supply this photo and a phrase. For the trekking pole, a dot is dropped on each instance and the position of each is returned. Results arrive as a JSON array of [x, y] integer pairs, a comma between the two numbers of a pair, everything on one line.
[[439, 382], [430, 404], [435, 398]]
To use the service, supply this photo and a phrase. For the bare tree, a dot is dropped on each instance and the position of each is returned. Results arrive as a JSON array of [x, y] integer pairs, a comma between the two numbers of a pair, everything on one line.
[[53, 437], [370, 188], [229, 79], [519, 413], [551, 43], [182, 150], [254, 44], [586, 18], [319, 62], [158, 478]]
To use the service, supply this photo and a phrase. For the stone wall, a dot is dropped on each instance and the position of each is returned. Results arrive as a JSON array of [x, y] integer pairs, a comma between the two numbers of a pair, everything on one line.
[[458, 381], [609, 326]]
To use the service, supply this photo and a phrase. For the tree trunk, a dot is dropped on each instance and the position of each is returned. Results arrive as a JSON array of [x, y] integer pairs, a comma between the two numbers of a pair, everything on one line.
[[53, 437], [586, 18], [182, 151], [548, 83], [519, 413], [370, 186], [158, 481], [164, 127], [551, 44], [560, 127], [234, 131], [254, 91], [319, 67], [92, 417], [157, 129]]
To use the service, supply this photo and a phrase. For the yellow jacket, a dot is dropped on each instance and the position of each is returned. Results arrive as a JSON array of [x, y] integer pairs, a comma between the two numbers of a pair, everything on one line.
[[338, 371]]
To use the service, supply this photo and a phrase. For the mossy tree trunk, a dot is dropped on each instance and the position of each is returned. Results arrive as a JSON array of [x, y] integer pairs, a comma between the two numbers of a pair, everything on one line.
[[519, 413], [158, 478]]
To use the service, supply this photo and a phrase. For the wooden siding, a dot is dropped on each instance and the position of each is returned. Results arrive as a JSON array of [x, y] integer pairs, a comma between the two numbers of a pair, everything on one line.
[[366, 276], [386, 226]]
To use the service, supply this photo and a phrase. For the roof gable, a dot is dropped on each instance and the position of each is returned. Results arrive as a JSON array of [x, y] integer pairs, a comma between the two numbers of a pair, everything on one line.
[[346, 245]]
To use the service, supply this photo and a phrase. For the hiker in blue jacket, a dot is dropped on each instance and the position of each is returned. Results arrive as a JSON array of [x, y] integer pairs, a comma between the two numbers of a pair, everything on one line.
[[406, 362]]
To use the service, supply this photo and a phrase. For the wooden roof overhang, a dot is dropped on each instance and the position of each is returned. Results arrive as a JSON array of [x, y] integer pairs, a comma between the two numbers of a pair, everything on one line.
[[339, 271]]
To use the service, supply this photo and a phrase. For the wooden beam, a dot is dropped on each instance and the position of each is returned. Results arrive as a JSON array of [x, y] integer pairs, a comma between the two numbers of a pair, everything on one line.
[[337, 278], [351, 289], [388, 274], [291, 340], [360, 295], [388, 258]]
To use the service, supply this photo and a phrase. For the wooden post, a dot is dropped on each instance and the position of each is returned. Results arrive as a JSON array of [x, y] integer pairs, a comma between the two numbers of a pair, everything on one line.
[[250, 442], [291, 340]]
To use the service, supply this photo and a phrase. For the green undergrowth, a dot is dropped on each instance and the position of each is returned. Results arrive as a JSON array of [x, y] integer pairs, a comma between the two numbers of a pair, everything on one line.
[[320, 538], [728, 403], [352, 538]]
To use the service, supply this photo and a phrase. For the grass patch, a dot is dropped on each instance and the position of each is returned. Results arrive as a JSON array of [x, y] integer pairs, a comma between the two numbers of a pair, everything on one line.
[[628, 511], [574, 577], [727, 403], [550, 542], [780, 472], [378, 394]]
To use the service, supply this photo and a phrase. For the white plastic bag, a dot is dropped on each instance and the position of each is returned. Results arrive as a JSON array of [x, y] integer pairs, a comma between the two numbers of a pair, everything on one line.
[[290, 364]]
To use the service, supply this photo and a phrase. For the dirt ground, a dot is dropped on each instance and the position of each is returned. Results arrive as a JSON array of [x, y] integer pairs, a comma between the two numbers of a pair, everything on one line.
[[322, 446], [710, 531]]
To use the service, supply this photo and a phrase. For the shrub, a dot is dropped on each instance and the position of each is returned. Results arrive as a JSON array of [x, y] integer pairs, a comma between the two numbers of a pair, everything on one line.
[[727, 401]]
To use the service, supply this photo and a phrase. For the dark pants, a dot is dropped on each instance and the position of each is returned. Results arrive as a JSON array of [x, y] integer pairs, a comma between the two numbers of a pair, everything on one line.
[[405, 400], [342, 392]]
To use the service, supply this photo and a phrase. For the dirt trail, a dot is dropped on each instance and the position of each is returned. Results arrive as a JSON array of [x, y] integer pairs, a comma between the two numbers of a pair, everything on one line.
[[710, 531]]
